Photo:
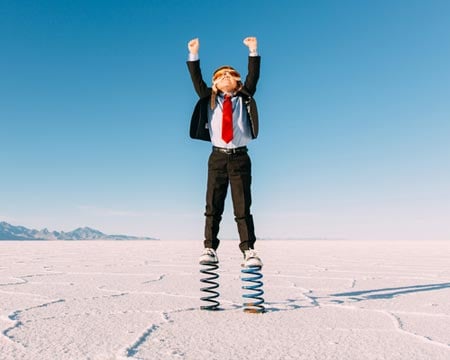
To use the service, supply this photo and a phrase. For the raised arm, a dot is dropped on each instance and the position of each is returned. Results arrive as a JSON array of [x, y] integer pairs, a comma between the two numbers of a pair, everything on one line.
[[194, 69], [254, 61]]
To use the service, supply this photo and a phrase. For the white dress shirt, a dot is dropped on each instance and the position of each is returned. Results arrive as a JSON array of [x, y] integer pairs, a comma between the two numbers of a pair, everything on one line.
[[241, 126]]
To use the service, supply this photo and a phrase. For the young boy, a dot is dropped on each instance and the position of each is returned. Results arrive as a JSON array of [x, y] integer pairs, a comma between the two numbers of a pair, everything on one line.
[[226, 115]]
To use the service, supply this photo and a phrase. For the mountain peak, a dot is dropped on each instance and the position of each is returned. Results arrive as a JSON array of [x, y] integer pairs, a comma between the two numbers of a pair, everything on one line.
[[11, 232]]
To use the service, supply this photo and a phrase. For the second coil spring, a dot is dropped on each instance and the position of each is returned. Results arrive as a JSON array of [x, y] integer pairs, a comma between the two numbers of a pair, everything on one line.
[[256, 306]]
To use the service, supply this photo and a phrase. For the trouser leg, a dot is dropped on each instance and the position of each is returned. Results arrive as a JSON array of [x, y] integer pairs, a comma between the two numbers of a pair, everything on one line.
[[216, 193], [239, 171]]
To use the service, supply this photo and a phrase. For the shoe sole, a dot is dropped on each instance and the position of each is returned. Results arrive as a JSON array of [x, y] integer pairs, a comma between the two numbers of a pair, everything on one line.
[[207, 262], [252, 262]]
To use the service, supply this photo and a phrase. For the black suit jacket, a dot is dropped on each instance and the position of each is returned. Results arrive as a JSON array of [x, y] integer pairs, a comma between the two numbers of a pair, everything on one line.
[[198, 129]]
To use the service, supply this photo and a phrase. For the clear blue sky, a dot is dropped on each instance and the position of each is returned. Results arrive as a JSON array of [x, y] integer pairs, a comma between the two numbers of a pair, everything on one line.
[[95, 103]]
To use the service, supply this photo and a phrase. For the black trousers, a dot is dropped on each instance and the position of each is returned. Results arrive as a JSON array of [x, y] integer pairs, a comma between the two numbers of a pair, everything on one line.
[[233, 169]]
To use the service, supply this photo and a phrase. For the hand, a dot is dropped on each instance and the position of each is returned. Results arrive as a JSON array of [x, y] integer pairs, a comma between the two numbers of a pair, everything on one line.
[[251, 43], [193, 46]]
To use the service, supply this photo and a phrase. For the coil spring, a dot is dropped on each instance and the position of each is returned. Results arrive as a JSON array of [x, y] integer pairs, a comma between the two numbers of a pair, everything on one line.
[[257, 305], [208, 270]]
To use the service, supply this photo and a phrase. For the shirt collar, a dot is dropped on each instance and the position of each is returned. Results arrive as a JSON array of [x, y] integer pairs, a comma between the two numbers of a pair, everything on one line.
[[222, 94]]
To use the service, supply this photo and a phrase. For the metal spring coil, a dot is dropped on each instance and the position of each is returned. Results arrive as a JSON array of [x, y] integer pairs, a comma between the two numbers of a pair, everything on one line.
[[257, 305], [209, 271]]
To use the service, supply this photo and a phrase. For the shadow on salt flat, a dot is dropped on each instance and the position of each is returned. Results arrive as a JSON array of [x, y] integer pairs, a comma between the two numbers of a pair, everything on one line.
[[290, 305], [389, 293], [374, 294]]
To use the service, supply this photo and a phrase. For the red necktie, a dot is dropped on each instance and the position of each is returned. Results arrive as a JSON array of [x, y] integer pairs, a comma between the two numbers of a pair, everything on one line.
[[227, 119]]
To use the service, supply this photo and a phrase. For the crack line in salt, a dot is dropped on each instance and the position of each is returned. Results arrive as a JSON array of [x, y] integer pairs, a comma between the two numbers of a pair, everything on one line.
[[147, 293], [133, 349], [400, 327], [15, 317], [22, 282], [161, 277]]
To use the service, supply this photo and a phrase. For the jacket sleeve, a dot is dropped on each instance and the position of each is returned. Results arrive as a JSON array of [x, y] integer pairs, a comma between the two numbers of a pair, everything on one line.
[[200, 86], [253, 74]]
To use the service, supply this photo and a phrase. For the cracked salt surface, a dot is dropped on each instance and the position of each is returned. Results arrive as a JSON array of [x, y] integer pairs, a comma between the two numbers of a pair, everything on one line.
[[140, 300]]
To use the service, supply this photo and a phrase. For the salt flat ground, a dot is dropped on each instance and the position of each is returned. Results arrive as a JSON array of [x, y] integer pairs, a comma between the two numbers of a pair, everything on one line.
[[140, 300]]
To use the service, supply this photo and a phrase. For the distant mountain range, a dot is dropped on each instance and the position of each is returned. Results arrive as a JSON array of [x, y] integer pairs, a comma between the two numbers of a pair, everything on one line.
[[11, 232]]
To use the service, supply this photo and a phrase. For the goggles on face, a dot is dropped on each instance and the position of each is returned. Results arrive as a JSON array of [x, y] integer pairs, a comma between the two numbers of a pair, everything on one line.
[[220, 74]]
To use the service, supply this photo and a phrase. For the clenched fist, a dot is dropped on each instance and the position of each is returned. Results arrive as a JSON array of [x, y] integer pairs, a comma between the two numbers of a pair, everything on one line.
[[251, 43], [193, 46]]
